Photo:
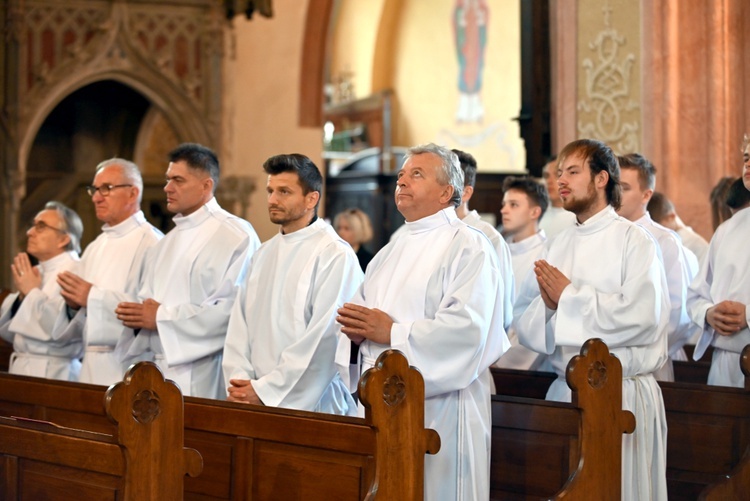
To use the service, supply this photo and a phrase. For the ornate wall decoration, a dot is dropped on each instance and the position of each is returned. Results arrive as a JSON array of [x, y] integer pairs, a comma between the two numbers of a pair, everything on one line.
[[606, 109]]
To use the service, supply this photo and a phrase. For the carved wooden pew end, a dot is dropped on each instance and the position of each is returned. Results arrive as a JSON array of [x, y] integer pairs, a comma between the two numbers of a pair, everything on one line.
[[395, 418], [558, 450], [148, 411]]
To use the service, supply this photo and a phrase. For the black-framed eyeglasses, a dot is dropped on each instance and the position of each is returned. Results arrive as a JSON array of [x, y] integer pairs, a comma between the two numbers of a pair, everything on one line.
[[40, 226], [104, 189]]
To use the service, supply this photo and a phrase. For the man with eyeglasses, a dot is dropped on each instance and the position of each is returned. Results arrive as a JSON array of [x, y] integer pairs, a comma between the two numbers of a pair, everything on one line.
[[110, 270], [190, 279], [27, 316]]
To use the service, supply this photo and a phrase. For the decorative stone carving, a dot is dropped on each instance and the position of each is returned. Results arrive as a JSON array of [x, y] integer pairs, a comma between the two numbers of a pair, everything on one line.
[[394, 390], [606, 103], [146, 406], [233, 193]]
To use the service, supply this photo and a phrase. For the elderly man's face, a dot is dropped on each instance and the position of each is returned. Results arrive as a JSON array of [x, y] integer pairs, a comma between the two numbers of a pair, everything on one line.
[[47, 237], [120, 203], [419, 193]]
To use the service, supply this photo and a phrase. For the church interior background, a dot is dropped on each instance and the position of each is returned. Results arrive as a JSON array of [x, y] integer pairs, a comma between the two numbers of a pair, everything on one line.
[[350, 83]]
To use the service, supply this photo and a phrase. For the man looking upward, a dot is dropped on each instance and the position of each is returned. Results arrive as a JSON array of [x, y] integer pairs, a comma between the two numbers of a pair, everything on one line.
[[436, 293]]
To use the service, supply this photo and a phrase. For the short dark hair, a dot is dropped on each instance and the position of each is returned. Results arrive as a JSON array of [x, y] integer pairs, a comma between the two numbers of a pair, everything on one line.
[[197, 157], [659, 207], [536, 191], [737, 195], [646, 170], [600, 158], [468, 165], [719, 209], [309, 176]]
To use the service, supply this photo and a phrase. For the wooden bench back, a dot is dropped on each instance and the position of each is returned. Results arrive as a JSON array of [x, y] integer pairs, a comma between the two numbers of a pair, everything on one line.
[[708, 440], [41, 460], [262, 453], [556, 450]]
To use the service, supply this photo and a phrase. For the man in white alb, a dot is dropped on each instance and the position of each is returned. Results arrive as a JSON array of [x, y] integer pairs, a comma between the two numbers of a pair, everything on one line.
[[471, 217], [719, 296], [602, 278], [190, 279], [27, 317], [638, 180], [555, 218], [281, 343], [436, 294], [110, 270], [661, 210], [524, 203]]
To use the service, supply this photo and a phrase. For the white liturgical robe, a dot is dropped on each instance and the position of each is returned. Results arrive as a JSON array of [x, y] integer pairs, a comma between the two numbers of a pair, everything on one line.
[[618, 293], [113, 263], [503, 253], [283, 332], [554, 221], [696, 243], [724, 276], [193, 272], [679, 273], [441, 284], [35, 352], [523, 255]]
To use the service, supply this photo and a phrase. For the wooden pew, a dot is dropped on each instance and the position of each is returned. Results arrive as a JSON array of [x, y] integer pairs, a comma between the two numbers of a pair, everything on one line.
[[40, 460], [708, 442], [693, 371], [6, 349], [708, 439], [259, 453], [557, 450]]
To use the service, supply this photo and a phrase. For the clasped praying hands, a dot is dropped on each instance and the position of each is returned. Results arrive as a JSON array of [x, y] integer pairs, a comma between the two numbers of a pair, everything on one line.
[[551, 282], [25, 276], [360, 323], [138, 315], [74, 289], [727, 317]]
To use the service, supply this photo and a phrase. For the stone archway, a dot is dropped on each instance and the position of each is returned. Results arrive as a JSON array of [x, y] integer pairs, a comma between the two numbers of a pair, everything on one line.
[[169, 54]]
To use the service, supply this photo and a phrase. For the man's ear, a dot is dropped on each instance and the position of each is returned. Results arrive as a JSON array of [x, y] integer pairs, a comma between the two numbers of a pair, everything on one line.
[[536, 212], [466, 194], [647, 195], [312, 199], [64, 241], [601, 179], [208, 184], [446, 194]]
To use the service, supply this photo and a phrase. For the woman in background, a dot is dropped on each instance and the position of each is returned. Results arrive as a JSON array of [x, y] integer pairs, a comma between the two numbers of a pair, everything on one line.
[[355, 228]]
